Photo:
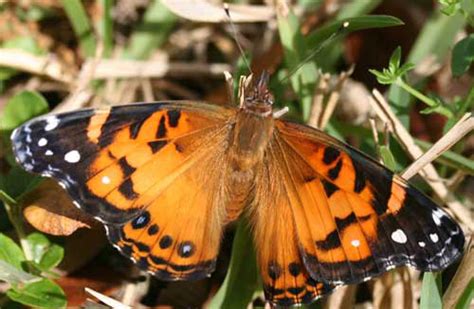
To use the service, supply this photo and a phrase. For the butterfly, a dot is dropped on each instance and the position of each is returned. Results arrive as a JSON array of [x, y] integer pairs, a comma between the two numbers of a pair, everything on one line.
[[167, 178]]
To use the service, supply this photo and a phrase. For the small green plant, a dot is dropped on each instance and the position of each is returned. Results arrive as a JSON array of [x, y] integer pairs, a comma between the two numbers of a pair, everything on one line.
[[395, 74], [27, 267]]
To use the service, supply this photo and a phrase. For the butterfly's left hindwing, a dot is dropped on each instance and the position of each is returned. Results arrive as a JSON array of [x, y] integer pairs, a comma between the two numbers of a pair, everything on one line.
[[139, 169]]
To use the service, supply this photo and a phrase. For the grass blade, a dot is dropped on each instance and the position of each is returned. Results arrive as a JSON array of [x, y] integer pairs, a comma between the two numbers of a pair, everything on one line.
[[430, 292], [242, 277], [355, 23], [81, 25]]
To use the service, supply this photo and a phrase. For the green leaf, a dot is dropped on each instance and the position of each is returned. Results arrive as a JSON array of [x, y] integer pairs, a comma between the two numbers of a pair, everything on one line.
[[17, 182], [242, 278], [316, 37], [394, 62], [466, 297], [387, 157], [357, 8], [431, 297], [463, 55], [22, 107], [45, 254], [42, 294], [450, 7], [13, 275], [81, 25], [154, 30], [10, 252], [384, 77]]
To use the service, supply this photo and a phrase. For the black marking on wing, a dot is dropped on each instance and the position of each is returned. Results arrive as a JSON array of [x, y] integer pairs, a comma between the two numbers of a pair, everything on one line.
[[330, 155], [173, 117], [333, 173], [161, 132]]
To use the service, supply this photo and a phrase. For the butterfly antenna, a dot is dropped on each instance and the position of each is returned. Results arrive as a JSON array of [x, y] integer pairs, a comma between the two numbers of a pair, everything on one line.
[[235, 32], [326, 42]]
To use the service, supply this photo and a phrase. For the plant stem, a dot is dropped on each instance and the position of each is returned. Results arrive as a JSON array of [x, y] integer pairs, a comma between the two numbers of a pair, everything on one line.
[[425, 99], [12, 209]]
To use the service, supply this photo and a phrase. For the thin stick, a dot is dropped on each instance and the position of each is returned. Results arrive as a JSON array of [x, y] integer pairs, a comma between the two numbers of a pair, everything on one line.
[[107, 300], [334, 97], [106, 68], [41, 65], [461, 279], [458, 131], [429, 173], [318, 99]]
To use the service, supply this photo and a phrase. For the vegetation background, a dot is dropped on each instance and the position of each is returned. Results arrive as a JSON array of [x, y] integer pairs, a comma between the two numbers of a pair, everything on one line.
[[325, 56]]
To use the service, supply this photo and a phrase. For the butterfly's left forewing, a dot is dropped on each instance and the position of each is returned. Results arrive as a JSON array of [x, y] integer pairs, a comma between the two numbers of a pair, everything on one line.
[[146, 171]]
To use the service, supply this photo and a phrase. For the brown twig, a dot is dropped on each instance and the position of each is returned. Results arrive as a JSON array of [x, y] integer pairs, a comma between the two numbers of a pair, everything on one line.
[[48, 66], [461, 279]]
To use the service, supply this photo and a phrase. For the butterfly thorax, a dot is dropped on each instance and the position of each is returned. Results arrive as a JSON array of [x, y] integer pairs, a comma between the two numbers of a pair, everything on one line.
[[254, 126]]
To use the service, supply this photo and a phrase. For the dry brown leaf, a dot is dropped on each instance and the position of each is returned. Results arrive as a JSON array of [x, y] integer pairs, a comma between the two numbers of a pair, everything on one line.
[[50, 210], [204, 11]]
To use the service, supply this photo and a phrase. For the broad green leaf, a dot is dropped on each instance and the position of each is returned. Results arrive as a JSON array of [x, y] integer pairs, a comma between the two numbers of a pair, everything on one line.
[[431, 297], [10, 252], [22, 107], [41, 294], [45, 254], [13, 275], [463, 55], [242, 277]]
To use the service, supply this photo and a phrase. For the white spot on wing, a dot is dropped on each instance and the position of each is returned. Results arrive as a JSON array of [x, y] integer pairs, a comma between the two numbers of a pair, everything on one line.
[[187, 249], [399, 237], [42, 142], [51, 123], [355, 243], [48, 153], [105, 180], [437, 215], [421, 244], [72, 156], [434, 237]]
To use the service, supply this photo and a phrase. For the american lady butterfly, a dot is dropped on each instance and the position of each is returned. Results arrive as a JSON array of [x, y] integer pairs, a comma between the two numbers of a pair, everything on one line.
[[166, 178]]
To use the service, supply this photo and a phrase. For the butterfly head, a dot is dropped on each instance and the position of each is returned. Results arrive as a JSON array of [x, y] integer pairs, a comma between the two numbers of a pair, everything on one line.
[[258, 99]]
